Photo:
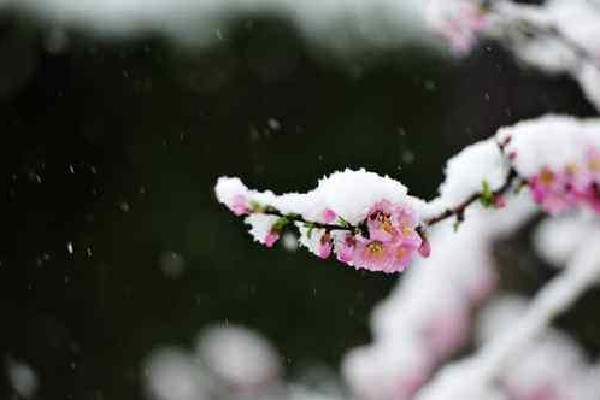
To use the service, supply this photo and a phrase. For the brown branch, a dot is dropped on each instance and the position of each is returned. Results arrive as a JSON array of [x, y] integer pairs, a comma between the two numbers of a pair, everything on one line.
[[459, 210], [318, 225]]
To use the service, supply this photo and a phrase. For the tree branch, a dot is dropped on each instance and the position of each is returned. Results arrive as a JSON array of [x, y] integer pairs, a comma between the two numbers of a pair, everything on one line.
[[457, 211]]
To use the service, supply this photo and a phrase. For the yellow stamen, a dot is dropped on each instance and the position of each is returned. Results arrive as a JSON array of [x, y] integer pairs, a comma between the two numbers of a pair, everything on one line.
[[546, 177], [571, 169], [375, 248], [386, 225]]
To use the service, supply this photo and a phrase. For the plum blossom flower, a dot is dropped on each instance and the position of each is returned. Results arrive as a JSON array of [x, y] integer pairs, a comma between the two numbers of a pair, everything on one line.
[[374, 255], [345, 248], [325, 245], [382, 221], [377, 231], [392, 238], [408, 228], [554, 191], [575, 185]]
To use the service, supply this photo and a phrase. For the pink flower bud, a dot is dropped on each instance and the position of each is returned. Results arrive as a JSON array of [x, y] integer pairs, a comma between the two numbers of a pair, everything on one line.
[[329, 215], [271, 238], [325, 246], [425, 247], [499, 201], [240, 205]]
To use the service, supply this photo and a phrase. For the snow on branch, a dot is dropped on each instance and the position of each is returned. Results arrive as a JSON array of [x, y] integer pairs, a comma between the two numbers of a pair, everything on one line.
[[559, 36], [371, 222], [477, 377]]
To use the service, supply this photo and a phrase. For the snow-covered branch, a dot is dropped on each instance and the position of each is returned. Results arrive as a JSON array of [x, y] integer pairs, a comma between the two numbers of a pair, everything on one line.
[[559, 36], [371, 222], [480, 374]]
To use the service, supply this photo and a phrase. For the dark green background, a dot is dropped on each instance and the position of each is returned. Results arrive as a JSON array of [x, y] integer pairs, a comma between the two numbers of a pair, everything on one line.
[[148, 127]]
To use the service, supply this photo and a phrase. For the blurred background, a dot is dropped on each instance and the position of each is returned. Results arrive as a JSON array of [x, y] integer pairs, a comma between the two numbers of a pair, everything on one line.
[[112, 139]]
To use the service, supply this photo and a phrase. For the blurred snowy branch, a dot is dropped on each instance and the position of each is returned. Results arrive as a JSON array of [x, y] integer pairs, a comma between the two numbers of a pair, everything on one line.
[[559, 36]]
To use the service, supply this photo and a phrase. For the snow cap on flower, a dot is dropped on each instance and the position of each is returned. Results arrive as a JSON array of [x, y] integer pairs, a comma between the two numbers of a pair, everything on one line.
[[232, 193], [552, 141], [349, 194]]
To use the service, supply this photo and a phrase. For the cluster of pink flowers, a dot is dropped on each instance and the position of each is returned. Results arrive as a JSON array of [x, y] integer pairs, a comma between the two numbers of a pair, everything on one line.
[[391, 241], [575, 185], [387, 240]]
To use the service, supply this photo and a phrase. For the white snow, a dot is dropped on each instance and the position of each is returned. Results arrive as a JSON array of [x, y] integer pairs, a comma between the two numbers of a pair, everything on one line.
[[239, 356], [550, 141], [348, 193], [466, 171], [260, 225], [556, 239]]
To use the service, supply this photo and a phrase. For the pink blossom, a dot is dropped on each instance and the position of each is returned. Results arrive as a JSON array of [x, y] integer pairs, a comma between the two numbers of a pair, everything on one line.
[[329, 215], [425, 248], [374, 255], [554, 191], [240, 205], [499, 201], [271, 238], [383, 222], [404, 256], [345, 249], [325, 246], [408, 228], [393, 240]]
